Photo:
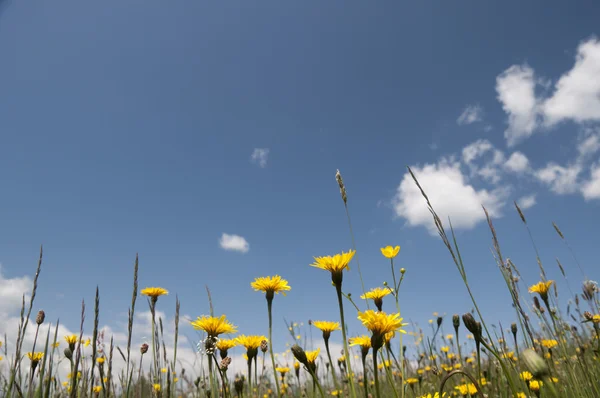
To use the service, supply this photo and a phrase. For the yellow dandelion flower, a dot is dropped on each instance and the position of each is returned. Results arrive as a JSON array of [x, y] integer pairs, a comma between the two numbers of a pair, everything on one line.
[[157, 387], [377, 294], [549, 343], [97, 389], [596, 318], [445, 349], [163, 370], [362, 341], [154, 292], [283, 371], [335, 264], [270, 285], [526, 376], [466, 389], [226, 344], [250, 342], [35, 356], [411, 380], [326, 327], [100, 360], [390, 252], [214, 326], [449, 336], [72, 339], [1, 357], [311, 356], [380, 323], [541, 288], [534, 385], [55, 345]]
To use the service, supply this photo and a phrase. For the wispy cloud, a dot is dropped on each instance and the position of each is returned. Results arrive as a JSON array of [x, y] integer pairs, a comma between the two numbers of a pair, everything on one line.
[[260, 156], [234, 243], [471, 114], [527, 202]]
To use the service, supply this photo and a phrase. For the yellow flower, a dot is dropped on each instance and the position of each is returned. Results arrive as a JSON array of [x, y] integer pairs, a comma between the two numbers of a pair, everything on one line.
[[326, 327], [214, 326], [154, 292], [311, 356], [445, 349], [250, 342], [380, 323], [449, 336], [430, 395], [534, 385], [521, 395], [541, 288], [526, 376], [97, 389], [100, 360], [175, 379], [226, 344], [377, 294], [157, 387], [389, 251], [35, 356], [412, 380], [1, 357], [163, 370], [549, 343], [270, 285], [466, 389], [72, 339], [335, 264], [283, 371], [595, 319], [296, 365], [55, 345]]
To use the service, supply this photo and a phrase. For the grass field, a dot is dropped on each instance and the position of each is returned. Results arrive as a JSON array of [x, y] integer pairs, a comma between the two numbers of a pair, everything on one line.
[[546, 352]]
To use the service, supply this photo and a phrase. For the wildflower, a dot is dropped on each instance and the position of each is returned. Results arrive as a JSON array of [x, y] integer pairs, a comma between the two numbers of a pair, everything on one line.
[[466, 389], [251, 343], [363, 341], [380, 323], [390, 252], [97, 389], [214, 326], [86, 342], [311, 357], [55, 345], [542, 289], [445, 349], [549, 343], [71, 341], [411, 380], [156, 387], [100, 360], [154, 293], [271, 285], [335, 264], [534, 385], [35, 358], [377, 294], [225, 345], [283, 371], [326, 327]]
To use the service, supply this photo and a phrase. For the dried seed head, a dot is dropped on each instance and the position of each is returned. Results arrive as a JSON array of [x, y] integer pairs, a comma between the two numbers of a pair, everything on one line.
[[264, 346], [340, 182], [589, 289], [537, 305], [513, 329], [210, 345], [238, 384], [557, 230], [588, 316], [520, 213], [39, 319], [225, 362], [144, 348]]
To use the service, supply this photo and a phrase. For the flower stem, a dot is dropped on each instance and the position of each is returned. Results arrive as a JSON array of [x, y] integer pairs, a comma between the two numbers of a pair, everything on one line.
[[338, 288], [269, 307], [375, 375], [335, 381]]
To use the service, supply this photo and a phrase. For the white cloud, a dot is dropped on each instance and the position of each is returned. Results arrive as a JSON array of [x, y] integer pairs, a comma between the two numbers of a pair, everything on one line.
[[475, 150], [577, 92], [516, 92], [471, 114], [591, 188], [234, 243], [260, 156], [527, 201], [560, 179], [517, 163], [463, 205], [590, 143]]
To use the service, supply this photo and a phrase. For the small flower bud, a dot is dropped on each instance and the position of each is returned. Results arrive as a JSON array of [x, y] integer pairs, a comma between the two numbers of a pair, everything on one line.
[[68, 353], [264, 346], [402, 271], [456, 321], [144, 348], [299, 354], [535, 364]]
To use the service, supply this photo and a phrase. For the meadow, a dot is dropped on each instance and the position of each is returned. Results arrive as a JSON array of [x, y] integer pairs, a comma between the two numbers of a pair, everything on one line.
[[545, 352]]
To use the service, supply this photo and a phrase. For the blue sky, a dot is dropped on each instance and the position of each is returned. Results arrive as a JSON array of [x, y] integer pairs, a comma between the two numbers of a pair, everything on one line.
[[129, 127]]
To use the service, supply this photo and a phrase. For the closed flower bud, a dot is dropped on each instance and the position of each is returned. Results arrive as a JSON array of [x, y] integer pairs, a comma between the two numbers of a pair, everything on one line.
[[299, 354], [68, 353], [588, 316], [513, 329], [472, 325], [225, 362], [39, 319], [439, 321], [144, 348], [456, 321], [264, 346]]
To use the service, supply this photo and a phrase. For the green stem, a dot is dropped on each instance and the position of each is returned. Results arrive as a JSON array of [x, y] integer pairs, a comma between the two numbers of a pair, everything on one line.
[[250, 377], [338, 288], [335, 381], [375, 373], [315, 380], [269, 307]]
